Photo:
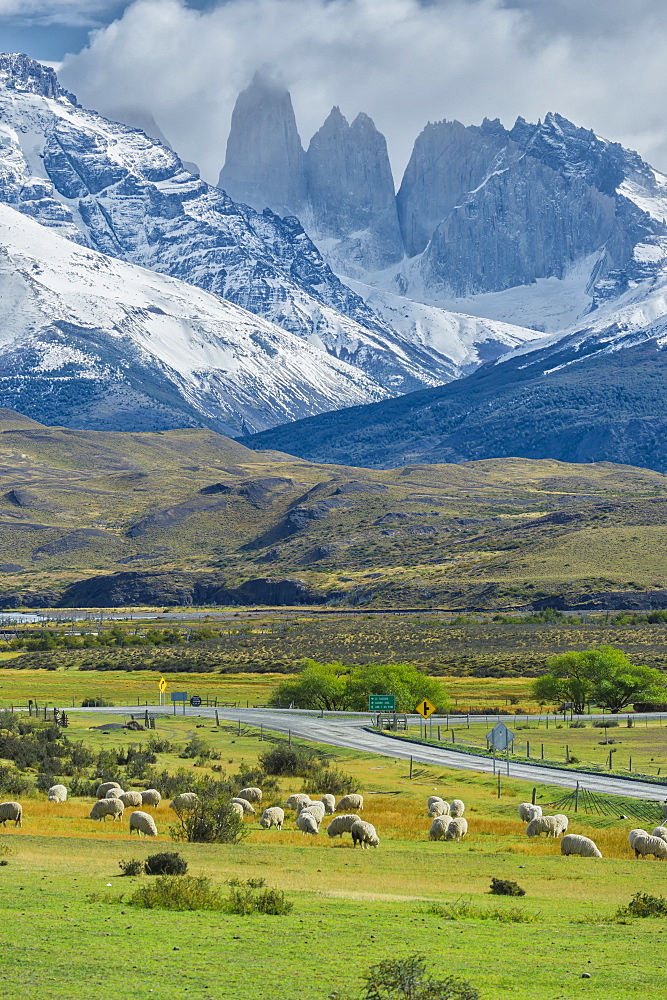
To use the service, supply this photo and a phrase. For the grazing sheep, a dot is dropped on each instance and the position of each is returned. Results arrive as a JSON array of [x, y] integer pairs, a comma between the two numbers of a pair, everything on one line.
[[635, 833], [143, 823], [253, 795], [308, 824], [131, 799], [114, 793], [297, 801], [456, 808], [185, 800], [107, 807], [573, 843], [438, 808], [151, 797], [643, 845], [439, 828], [528, 812], [316, 810], [247, 807], [433, 798], [11, 811], [353, 801], [57, 793], [341, 824], [553, 826], [329, 801], [104, 788], [237, 808], [457, 828], [660, 831], [273, 816], [365, 834]]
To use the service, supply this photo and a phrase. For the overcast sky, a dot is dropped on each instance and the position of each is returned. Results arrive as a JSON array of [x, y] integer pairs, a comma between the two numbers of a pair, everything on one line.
[[404, 62]]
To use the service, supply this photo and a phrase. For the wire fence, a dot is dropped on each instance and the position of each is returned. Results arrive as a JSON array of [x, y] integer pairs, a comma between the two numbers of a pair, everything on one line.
[[596, 803]]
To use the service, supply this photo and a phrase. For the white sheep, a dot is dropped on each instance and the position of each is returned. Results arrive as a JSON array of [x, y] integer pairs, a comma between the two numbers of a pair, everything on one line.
[[365, 834], [329, 801], [553, 826], [273, 816], [635, 833], [574, 843], [151, 797], [307, 823], [298, 799], [438, 808], [107, 807], [456, 808], [253, 795], [456, 828], [644, 844], [143, 823], [12, 811], [433, 798], [341, 824], [660, 831], [185, 800], [237, 808], [316, 810], [353, 801], [439, 828], [247, 807], [57, 793], [104, 788], [528, 812], [114, 793], [131, 799]]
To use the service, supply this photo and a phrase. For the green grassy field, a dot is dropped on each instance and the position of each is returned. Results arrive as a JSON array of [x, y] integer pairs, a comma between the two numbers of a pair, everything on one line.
[[351, 908]]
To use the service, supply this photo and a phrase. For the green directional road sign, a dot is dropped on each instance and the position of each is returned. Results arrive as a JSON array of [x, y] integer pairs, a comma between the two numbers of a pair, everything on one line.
[[381, 703]]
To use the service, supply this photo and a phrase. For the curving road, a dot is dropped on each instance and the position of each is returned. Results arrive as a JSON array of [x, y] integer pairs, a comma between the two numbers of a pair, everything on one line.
[[348, 730]]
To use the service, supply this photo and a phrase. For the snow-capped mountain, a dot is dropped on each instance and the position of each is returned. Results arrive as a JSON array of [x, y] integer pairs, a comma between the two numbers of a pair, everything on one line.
[[117, 190], [95, 343]]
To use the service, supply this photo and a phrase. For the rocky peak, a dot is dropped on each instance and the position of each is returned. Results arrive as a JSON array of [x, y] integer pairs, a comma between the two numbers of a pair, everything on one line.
[[19, 72], [265, 163]]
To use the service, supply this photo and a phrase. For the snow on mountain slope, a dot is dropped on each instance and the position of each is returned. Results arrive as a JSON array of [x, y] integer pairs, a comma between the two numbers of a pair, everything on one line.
[[116, 190], [97, 343]]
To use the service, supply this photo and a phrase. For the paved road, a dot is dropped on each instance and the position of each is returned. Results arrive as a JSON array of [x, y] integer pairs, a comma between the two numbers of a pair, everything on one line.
[[349, 731]]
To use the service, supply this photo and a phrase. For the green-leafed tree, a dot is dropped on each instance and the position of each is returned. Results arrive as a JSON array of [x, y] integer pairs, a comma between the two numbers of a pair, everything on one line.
[[317, 685], [605, 676]]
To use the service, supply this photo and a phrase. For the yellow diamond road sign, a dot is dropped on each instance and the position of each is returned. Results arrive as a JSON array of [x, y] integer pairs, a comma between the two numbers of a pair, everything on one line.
[[162, 685], [425, 708]]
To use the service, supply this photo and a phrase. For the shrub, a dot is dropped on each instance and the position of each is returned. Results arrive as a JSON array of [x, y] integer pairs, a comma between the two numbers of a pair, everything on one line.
[[44, 781], [504, 887], [131, 867], [96, 703], [330, 780], [578, 724], [464, 909], [179, 892], [406, 979], [212, 821], [165, 863], [290, 761], [14, 783], [248, 897], [643, 905], [8, 720], [608, 724], [157, 744]]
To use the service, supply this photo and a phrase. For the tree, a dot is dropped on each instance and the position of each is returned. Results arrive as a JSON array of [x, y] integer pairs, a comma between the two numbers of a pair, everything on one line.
[[605, 676], [318, 685], [406, 979]]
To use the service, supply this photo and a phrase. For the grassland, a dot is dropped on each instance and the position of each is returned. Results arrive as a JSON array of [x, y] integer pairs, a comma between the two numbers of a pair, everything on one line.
[[189, 515], [351, 908]]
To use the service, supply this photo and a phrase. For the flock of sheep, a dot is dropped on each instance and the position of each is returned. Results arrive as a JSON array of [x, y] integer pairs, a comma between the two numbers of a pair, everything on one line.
[[448, 820]]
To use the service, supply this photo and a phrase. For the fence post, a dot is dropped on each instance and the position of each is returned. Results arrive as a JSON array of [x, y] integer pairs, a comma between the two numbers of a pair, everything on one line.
[[534, 795], [527, 748], [261, 732], [567, 754], [498, 782], [453, 740], [439, 734], [239, 732], [289, 737], [576, 798], [410, 768], [217, 718]]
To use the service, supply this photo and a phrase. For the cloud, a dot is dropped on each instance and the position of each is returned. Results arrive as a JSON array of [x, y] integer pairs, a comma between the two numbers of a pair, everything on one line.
[[404, 62], [65, 12]]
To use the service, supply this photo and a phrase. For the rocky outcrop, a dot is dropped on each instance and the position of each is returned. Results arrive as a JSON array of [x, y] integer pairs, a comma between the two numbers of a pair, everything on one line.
[[351, 189], [265, 165]]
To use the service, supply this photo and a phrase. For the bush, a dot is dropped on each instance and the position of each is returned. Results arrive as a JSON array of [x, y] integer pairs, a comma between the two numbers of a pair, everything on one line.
[[179, 892], [643, 905], [463, 909], [578, 725], [504, 887], [13, 783], [406, 979], [289, 761], [157, 744], [330, 780], [212, 821], [8, 720], [131, 867], [96, 703], [248, 897], [608, 724], [165, 863]]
